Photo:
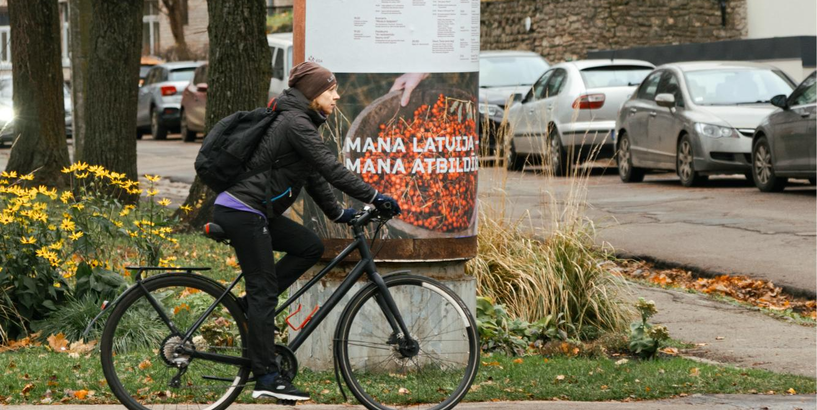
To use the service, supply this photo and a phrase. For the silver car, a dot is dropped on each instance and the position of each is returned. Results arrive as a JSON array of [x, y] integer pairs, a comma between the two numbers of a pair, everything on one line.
[[696, 119], [569, 113], [784, 144], [160, 98], [8, 115]]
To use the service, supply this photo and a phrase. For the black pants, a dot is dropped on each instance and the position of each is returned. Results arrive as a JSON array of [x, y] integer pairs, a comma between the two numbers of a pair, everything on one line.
[[254, 239]]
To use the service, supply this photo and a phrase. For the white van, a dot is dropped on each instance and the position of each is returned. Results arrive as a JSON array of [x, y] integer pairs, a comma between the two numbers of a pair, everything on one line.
[[280, 45]]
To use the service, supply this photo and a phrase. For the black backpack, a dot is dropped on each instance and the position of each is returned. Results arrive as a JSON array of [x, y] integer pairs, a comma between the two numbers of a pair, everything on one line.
[[229, 145]]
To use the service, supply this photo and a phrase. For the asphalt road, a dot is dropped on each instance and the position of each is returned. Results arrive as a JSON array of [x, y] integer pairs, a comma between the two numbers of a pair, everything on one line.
[[726, 227]]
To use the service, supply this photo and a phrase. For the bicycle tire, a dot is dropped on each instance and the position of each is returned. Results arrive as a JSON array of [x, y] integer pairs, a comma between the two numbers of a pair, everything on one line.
[[192, 284], [415, 297]]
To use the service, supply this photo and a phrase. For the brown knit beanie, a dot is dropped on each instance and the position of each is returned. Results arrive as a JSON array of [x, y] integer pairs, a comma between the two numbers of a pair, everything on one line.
[[311, 79]]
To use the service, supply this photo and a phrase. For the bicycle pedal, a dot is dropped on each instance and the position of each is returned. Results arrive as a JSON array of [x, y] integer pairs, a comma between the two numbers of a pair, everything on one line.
[[286, 402]]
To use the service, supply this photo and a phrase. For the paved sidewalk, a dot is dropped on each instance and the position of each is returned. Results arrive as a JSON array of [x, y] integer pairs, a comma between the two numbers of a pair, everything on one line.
[[709, 402]]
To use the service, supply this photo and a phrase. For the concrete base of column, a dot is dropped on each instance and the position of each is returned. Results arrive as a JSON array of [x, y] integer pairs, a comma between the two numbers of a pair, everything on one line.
[[316, 353]]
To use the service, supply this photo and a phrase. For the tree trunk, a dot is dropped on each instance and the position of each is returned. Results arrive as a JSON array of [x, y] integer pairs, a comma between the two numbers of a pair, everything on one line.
[[39, 123], [173, 8], [109, 114], [80, 14], [238, 77]]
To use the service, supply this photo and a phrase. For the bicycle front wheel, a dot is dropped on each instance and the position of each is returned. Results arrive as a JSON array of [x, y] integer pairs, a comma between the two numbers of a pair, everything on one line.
[[432, 369], [139, 357]]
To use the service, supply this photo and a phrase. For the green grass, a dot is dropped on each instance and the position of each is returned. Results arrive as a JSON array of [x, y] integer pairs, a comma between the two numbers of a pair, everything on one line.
[[535, 378]]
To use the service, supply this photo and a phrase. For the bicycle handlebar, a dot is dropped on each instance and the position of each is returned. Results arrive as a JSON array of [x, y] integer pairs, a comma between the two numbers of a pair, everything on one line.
[[365, 216]]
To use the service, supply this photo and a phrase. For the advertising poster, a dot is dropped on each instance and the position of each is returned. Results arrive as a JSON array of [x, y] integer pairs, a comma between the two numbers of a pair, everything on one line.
[[407, 120]]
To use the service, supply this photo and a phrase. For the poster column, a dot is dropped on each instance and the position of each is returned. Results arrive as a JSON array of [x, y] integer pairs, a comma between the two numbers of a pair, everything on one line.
[[407, 123]]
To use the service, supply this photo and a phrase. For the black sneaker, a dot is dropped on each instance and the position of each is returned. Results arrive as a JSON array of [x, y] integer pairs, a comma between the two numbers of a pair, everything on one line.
[[281, 389]]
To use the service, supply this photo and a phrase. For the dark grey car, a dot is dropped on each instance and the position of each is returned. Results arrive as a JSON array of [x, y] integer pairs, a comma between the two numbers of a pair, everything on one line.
[[783, 146]]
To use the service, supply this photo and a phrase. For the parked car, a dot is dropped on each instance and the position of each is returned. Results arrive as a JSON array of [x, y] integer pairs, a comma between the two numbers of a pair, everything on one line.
[[160, 98], [696, 119], [145, 64], [280, 45], [194, 104], [569, 113], [7, 113], [504, 77], [783, 146]]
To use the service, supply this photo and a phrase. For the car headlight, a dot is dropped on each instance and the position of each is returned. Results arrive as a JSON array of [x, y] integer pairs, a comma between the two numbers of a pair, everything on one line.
[[714, 131], [490, 110], [6, 114]]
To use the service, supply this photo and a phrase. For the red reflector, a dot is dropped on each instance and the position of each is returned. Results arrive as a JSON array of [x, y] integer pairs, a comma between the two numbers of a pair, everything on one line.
[[168, 90], [104, 305], [207, 228], [589, 102]]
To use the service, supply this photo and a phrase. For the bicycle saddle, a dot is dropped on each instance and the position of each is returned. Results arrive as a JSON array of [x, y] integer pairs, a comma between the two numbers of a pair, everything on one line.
[[215, 232]]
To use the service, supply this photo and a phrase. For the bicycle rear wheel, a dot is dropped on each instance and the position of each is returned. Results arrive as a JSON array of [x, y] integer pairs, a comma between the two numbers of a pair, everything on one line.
[[137, 347], [385, 370]]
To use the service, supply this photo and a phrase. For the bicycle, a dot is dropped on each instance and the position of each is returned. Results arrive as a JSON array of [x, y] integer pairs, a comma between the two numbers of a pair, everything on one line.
[[179, 337]]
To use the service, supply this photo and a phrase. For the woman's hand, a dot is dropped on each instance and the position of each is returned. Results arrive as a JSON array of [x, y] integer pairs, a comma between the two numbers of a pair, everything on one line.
[[407, 82], [346, 216]]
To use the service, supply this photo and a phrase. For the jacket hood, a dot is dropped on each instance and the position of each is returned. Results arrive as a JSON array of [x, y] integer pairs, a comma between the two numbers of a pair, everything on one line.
[[293, 100]]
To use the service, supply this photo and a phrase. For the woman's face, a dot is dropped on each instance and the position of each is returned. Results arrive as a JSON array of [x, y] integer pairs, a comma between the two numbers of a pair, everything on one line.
[[327, 101]]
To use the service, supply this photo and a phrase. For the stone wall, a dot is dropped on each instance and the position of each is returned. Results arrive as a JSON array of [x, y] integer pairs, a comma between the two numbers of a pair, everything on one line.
[[567, 29]]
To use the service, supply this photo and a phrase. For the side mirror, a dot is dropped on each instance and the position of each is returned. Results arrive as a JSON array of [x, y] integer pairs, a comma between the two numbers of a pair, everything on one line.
[[665, 100], [781, 101], [201, 87]]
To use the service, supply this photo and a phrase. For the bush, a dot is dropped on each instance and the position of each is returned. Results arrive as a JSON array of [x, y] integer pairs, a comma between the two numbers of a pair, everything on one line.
[[280, 23], [55, 245], [499, 332], [559, 277]]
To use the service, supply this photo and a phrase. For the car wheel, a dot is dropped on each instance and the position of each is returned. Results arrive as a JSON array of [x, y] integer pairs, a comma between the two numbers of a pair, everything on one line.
[[515, 161], [624, 159], [685, 164], [763, 169], [187, 135], [157, 130], [556, 158]]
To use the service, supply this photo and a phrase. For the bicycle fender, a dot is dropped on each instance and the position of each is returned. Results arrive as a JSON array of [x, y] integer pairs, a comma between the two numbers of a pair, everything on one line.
[[397, 273]]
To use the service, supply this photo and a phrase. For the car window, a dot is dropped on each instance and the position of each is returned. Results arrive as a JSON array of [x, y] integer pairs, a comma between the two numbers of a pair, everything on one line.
[[669, 85], [152, 75], [507, 71], [182, 74], [734, 86], [555, 83], [650, 86], [614, 75], [278, 64], [538, 89], [6, 88], [805, 93]]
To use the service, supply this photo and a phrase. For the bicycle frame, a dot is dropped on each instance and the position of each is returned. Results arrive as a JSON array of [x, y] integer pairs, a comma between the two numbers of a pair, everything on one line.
[[364, 266]]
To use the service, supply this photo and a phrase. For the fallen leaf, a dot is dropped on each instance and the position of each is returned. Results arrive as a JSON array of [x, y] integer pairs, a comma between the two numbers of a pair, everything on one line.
[[403, 391], [81, 347], [694, 371], [27, 388], [144, 365], [325, 391], [58, 342], [231, 262], [560, 377], [670, 351], [621, 362], [604, 387], [791, 391], [719, 338], [81, 394], [518, 361]]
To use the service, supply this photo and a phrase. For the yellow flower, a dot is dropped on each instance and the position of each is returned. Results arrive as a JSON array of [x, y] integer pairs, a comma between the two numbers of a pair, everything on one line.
[[186, 208], [76, 235], [82, 175], [66, 170], [57, 284], [132, 234], [130, 207], [56, 245], [124, 212], [154, 178], [78, 206], [52, 227], [10, 175], [66, 196], [68, 225], [27, 177], [81, 166], [164, 202], [152, 192], [118, 224], [28, 241]]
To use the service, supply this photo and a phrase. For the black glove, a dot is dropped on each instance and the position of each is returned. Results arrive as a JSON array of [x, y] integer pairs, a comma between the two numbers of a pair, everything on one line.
[[387, 203], [346, 216]]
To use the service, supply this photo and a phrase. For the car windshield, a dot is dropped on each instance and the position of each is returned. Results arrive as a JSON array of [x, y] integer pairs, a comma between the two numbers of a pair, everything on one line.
[[184, 74], [507, 71], [5, 88], [736, 86], [614, 76]]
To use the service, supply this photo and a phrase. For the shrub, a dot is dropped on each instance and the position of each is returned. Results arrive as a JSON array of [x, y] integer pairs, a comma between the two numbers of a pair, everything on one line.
[[55, 245], [499, 332]]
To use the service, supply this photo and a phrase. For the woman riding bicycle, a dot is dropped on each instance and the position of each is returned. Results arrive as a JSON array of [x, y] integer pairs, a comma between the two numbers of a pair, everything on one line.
[[251, 212]]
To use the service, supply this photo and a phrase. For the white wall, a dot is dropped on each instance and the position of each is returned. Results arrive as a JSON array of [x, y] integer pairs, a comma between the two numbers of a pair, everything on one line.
[[781, 18]]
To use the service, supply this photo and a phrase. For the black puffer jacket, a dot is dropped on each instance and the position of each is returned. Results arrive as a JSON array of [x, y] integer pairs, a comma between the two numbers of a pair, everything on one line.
[[293, 140]]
